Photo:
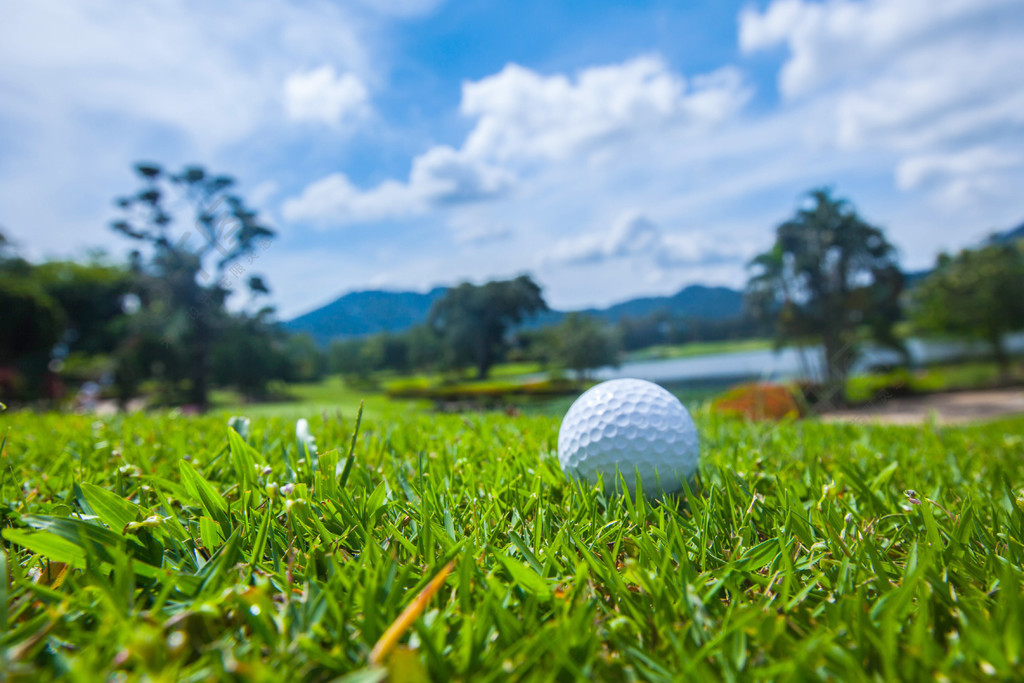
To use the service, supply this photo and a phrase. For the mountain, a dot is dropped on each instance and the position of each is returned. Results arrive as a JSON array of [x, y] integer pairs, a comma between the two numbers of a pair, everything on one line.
[[362, 313], [1007, 236], [1011, 236], [369, 312], [695, 301]]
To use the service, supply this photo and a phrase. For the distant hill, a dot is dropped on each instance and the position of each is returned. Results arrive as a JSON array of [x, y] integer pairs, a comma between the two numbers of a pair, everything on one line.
[[1008, 236], [695, 301], [912, 278], [362, 313]]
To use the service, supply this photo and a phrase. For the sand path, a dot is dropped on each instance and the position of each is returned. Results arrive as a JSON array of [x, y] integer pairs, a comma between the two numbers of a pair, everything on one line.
[[948, 408]]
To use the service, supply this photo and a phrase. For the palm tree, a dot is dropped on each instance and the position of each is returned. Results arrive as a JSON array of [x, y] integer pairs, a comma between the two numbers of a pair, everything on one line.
[[828, 274]]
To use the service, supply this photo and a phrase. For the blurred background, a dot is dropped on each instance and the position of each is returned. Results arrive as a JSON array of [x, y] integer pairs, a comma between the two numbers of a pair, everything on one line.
[[785, 206]]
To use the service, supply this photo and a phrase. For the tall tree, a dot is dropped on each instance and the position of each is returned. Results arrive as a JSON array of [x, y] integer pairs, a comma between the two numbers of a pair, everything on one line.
[[424, 348], [251, 352], [472, 320], [200, 239], [977, 294], [307, 361], [582, 343], [828, 274], [92, 297], [31, 322]]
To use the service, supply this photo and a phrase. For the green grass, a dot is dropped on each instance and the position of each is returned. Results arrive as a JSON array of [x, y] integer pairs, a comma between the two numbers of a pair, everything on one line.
[[330, 395], [516, 370], [665, 351], [799, 555], [944, 377]]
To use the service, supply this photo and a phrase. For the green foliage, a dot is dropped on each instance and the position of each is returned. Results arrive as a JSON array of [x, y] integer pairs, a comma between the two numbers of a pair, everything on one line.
[[384, 352], [32, 320], [343, 357], [91, 295], [30, 324], [937, 378], [138, 547], [471, 321], [690, 350], [416, 349], [582, 343], [308, 363], [53, 309], [483, 394], [663, 328], [423, 348], [979, 293], [251, 351], [828, 274], [185, 272]]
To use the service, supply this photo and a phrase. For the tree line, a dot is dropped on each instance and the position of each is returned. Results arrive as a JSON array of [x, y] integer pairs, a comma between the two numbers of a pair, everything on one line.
[[159, 323], [187, 313], [834, 279]]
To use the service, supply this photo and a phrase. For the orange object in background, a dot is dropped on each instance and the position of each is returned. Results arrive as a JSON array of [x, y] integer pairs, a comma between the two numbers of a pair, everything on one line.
[[759, 402]]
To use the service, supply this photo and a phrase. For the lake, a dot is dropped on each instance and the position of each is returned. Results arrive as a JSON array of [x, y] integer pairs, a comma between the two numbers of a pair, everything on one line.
[[790, 363]]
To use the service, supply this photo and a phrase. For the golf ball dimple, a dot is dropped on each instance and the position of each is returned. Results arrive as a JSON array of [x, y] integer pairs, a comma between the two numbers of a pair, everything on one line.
[[625, 426]]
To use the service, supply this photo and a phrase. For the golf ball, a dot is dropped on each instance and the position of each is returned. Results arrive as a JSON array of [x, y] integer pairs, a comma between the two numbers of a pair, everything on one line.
[[629, 427]]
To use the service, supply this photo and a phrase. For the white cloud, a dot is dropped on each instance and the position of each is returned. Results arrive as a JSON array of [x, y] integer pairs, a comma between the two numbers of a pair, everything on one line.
[[976, 162], [324, 96], [335, 199], [929, 92], [632, 233], [635, 235], [261, 194], [482, 233], [523, 115], [87, 88], [524, 119], [926, 80], [841, 38], [211, 74], [441, 176]]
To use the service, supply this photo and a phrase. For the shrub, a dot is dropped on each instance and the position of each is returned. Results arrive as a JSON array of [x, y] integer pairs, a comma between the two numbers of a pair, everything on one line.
[[758, 402]]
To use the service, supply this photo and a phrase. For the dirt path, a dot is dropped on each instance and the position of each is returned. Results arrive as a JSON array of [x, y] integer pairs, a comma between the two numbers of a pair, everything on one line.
[[948, 408]]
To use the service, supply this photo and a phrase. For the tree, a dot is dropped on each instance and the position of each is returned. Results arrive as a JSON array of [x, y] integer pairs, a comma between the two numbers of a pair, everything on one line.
[[424, 348], [581, 343], [343, 357], [31, 323], [979, 293], [191, 264], [306, 360], [638, 332], [251, 351], [828, 274], [92, 297], [471, 321]]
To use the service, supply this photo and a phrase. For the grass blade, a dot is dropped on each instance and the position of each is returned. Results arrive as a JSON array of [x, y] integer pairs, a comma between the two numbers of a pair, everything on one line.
[[405, 620], [343, 479]]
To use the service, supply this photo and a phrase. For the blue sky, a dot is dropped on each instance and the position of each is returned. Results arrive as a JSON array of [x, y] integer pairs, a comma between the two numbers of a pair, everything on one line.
[[610, 149]]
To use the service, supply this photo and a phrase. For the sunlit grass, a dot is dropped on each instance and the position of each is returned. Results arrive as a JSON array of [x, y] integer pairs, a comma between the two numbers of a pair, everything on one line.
[[688, 350], [935, 378], [158, 547]]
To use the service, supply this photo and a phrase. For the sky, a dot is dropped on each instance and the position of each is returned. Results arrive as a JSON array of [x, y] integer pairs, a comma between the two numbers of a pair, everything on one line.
[[609, 149]]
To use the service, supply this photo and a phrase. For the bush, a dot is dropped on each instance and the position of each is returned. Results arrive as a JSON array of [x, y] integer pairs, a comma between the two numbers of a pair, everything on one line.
[[758, 402], [482, 391]]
